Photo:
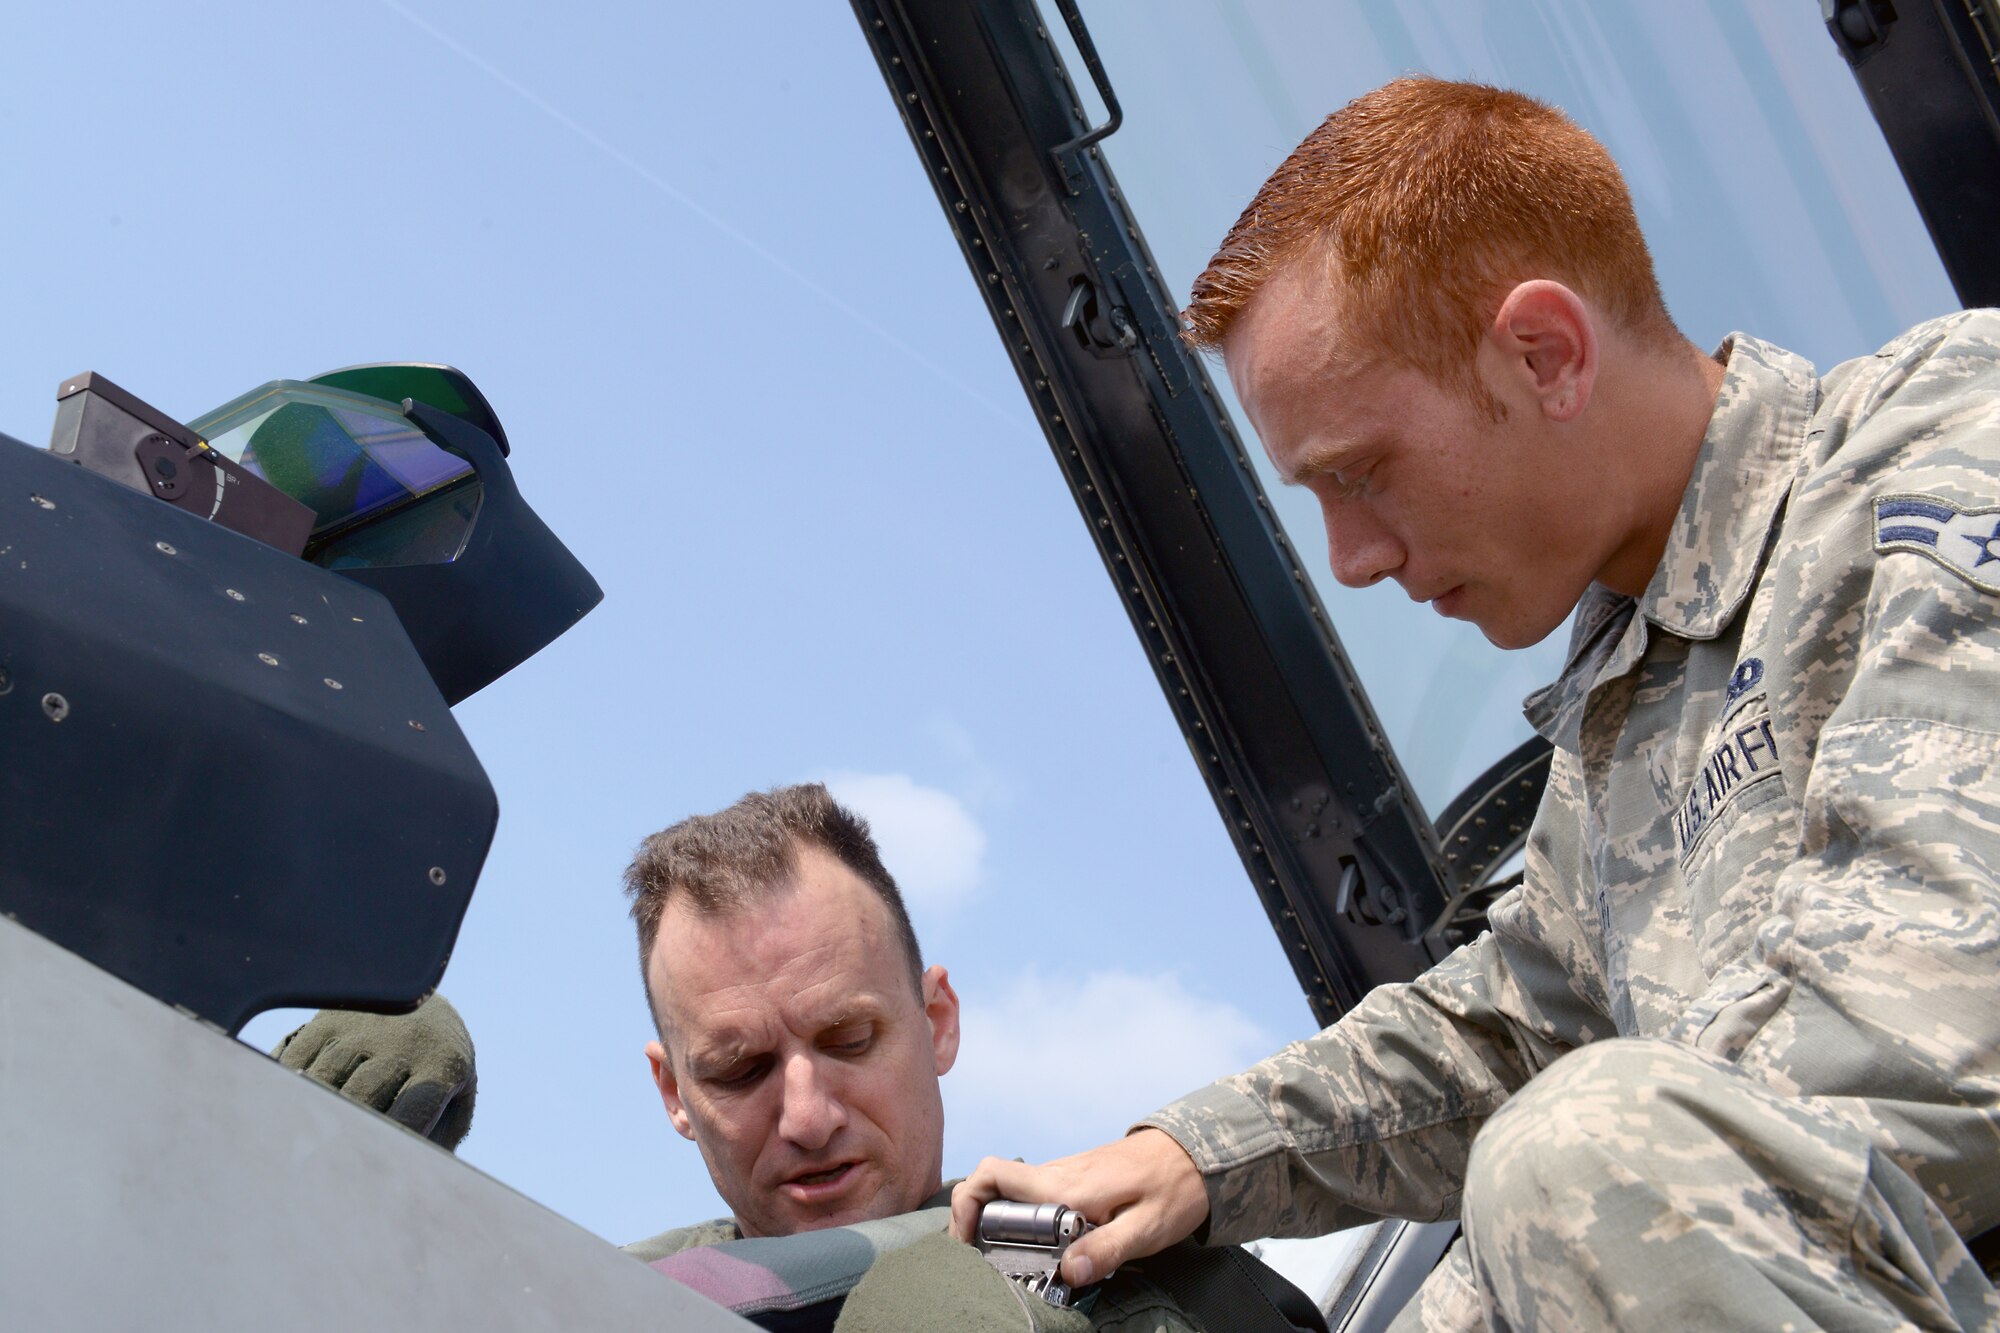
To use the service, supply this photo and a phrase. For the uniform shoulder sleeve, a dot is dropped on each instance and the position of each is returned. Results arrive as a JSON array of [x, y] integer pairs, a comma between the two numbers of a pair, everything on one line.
[[683, 1238]]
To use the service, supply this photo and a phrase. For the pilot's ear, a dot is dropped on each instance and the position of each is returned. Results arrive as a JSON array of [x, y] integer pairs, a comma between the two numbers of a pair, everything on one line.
[[941, 1009], [670, 1088], [1542, 348]]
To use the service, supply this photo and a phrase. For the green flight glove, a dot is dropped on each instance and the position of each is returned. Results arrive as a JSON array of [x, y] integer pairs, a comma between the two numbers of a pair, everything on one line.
[[940, 1283], [415, 1068]]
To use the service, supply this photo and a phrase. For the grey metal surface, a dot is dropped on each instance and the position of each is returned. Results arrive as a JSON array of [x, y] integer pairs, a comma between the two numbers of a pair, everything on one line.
[[156, 1174], [1387, 1273]]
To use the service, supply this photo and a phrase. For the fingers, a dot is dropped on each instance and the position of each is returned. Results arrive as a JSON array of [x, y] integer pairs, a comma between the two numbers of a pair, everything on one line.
[[441, 1111], [1144, 1193], [420, 1105], [994, 1178], [1102, 1252], [456, 1122], [298, 1050], [375, 1083], [334, 1063]]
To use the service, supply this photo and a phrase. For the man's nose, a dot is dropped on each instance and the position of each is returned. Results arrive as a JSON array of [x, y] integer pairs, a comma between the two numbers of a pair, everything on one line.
[[1360, 549], [813, 1111]]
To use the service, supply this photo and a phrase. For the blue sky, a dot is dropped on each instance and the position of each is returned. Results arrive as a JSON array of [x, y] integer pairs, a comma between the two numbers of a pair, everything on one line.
[[692, 262]]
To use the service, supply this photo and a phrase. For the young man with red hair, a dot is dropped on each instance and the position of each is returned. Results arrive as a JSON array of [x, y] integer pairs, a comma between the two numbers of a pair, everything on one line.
[[1731, 1054]]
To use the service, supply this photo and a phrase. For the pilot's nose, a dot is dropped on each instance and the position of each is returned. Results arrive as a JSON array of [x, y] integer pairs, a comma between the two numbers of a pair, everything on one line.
[[1359, 547], [813, 1111]]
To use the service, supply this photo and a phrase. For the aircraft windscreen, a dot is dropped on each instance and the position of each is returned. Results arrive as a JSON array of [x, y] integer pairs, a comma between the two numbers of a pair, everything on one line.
[[695, 264], [1768, 196]]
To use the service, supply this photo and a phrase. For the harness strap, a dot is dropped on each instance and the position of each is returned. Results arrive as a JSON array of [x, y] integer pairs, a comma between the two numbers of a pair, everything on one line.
[[1230, 1290]]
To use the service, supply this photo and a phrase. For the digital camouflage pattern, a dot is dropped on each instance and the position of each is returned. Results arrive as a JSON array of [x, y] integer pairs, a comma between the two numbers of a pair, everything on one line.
[[1769, 855]]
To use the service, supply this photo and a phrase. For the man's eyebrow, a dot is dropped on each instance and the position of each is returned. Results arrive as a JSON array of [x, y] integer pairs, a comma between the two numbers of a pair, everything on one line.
[[1321, 461], [721, 1053], [853, 1014]]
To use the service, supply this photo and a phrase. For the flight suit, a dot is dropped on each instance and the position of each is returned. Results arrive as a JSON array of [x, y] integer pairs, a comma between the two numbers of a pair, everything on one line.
[[1730, 1055], [912, 1275]]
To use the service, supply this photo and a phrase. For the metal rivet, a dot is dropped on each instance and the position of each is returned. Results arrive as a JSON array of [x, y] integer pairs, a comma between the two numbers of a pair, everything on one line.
[[164, 549], [232, 594], [298, 619], [55, 706], [437, 875], [267, 659], [43, 502], [332, 684], [416, 725]]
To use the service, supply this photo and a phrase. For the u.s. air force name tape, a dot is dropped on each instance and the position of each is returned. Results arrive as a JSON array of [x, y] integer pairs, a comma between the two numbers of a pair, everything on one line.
[[1964, 541]]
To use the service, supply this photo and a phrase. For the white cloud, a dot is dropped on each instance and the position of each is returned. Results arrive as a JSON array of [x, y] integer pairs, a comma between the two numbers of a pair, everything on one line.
[[929, 840], [1060, 1063]]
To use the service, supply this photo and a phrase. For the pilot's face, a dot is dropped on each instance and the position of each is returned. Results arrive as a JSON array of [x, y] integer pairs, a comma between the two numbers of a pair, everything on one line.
[[1485, 521], [798, 1055]]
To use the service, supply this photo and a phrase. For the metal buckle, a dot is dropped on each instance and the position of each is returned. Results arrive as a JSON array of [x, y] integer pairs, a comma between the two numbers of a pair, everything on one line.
[[1026, 1242]]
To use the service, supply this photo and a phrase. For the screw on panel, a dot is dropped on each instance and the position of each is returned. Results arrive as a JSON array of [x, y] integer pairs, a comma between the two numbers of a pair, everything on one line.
[[333, 684], [232, 594], [165, 548], [437, 876], [55, 706], [44, 502], [416, 725], [298, 619], [6, 681], [267, 659]]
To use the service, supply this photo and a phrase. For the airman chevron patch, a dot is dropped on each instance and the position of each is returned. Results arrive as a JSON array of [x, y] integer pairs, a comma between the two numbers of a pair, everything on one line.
[[1964, 541]]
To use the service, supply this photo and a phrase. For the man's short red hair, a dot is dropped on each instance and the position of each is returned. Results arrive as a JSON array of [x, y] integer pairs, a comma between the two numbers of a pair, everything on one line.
[[1430, 200]]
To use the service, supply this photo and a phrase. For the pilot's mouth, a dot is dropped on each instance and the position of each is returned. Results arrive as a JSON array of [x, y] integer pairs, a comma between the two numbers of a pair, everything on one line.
[[819, 1179]]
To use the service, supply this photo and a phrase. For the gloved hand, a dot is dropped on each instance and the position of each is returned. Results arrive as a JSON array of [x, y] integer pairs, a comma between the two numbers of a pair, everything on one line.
[[415, 1068]]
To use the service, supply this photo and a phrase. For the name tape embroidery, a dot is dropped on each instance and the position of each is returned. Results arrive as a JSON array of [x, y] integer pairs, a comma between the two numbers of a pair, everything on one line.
[[1964, 541], [1745, 754]]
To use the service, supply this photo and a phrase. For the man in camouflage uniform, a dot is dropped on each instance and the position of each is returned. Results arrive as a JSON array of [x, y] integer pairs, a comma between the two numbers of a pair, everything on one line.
[[1729, 1056]]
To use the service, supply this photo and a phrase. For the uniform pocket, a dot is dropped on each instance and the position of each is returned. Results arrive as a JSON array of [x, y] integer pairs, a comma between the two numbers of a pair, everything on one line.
[[1728, 1018]]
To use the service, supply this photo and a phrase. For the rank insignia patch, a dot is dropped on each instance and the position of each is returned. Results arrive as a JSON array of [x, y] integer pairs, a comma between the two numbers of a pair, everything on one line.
[[1964, 541]]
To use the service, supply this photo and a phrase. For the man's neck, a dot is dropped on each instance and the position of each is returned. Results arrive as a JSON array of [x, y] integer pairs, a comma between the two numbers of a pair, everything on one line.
[[1661, 420]]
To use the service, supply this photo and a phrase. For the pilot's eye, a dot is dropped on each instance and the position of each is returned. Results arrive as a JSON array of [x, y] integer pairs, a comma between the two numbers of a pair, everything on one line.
[[739, 1076], [850, 1043]]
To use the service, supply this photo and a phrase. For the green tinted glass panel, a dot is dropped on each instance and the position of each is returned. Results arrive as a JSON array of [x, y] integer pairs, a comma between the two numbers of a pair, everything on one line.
[[348, 456], [432, 531], [442, 387]]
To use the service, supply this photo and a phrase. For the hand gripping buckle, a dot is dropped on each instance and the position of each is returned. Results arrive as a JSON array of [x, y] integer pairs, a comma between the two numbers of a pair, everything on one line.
[[1026, 1242]]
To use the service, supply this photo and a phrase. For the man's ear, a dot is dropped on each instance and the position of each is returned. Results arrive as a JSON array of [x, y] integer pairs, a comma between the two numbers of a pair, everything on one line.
[[1543, 344], [670, 1088], [941, 1009]]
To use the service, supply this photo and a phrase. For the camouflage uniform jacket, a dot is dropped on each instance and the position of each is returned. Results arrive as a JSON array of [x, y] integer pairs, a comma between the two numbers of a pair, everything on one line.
[[1772, 830]]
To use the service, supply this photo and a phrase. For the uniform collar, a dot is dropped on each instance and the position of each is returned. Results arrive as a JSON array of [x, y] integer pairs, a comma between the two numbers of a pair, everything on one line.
[[1737, 491], [1720, 537]]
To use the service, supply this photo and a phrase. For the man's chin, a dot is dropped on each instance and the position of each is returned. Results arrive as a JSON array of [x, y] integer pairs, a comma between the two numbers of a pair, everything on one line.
[[1513, 633], [814, 1204]]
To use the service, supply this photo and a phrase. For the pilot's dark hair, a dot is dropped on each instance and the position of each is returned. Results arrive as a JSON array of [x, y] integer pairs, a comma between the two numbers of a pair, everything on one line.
[[745, 854]]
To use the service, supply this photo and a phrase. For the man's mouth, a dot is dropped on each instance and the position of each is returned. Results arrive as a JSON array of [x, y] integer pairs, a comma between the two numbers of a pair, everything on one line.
[[814, 1186]]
